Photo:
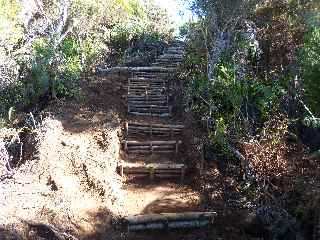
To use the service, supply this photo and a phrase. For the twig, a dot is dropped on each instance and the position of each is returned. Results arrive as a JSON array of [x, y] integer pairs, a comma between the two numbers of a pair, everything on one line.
[[307, 109], [33, 120]]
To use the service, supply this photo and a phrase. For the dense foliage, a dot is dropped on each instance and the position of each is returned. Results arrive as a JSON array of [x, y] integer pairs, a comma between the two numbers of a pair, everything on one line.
[[252, 76], [310, 63], [46, 46]]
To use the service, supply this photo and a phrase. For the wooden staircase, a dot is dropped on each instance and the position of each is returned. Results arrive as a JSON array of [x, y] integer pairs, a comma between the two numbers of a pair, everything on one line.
[[152, 143], [148, 94]]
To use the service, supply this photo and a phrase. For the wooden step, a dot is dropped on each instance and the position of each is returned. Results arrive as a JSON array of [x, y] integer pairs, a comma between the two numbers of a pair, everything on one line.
[[170, 57], [169, 221], [147, 102], [149, 92], [150, 79], [150, 110], [154, 170], [161, 115], [148, 107], [151, 74], [144, 89], [145, 83], [153, 129], [152, 146], [146, 98]]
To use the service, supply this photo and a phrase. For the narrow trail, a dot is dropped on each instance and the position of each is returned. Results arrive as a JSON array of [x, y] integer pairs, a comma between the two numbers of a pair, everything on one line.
[[153, 165]]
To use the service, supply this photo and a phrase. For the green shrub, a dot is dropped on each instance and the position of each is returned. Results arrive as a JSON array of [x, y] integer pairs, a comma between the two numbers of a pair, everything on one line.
[[310, 62]]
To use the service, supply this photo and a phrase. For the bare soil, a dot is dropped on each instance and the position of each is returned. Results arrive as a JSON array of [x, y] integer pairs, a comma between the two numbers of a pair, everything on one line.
[[69, 182]]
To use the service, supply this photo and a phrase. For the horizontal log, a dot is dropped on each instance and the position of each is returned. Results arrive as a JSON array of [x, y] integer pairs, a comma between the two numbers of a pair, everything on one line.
[[146, 102], [150, 114], [156, 125], [106, 71], [169, 171], [141, 175], [149, 132], [161, 165], [140, 143], [146, 96], [147, 79], [148, 107], [154, 132], [144, 73], [154, 148], [150, 100], [169, 221], [148, 90], [146, 170], [168, 217], [154, 128], [134, 86], [166, 176], [148, 111], [149, 152], [144, 85], [170, 56]]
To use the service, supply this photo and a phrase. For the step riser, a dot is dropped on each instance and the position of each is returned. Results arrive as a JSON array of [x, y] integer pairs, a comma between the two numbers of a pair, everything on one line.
[[149, 113], [170, 221], [144, 103], [148, 107], [163, 115]]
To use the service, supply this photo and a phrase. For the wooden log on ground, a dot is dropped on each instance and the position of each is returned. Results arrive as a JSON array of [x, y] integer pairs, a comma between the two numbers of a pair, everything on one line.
[[158, 125], [149, 111], [169, 221], [138, 101], [146, 97], [106, 71], [140, 143], [152, 148], [150, 114], [149, 152], [148, 107], [155, 170], [155, 128]]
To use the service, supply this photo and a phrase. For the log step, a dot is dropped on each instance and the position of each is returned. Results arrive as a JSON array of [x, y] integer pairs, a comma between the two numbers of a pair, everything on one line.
[[153, 129], [148, 102], [152, 146], [148, 107], [148, 78], [169, 221], [144, 98], [145, 91], [155, 170], [145, 84], [150, 114]]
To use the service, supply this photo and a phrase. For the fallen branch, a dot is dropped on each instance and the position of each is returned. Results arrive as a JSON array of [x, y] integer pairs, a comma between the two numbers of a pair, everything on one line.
[[249, 174]]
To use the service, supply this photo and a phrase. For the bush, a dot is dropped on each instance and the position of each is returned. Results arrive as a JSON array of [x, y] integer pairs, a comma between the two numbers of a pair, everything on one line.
[[309, 58]]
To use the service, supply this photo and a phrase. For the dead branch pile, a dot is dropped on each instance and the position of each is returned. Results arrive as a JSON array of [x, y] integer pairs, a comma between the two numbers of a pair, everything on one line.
[[272, 155]]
